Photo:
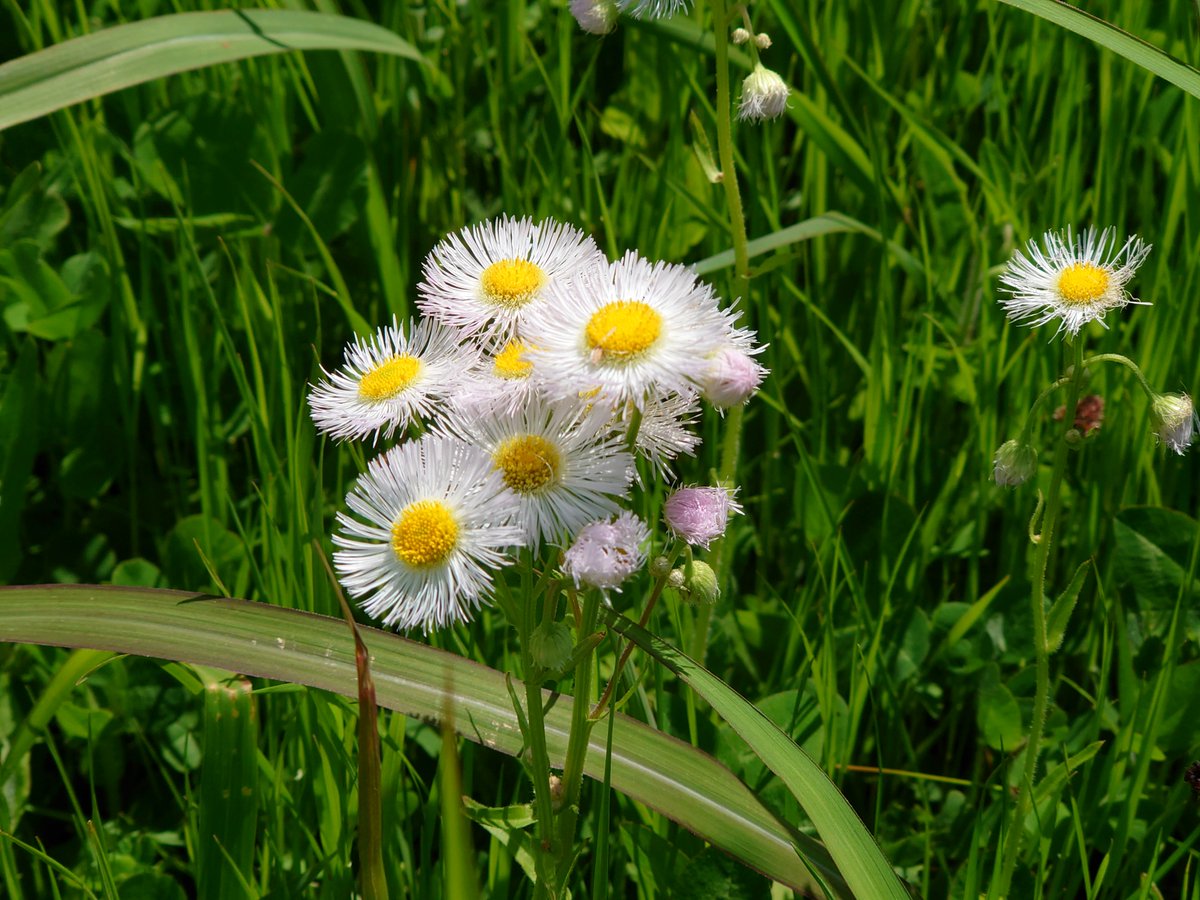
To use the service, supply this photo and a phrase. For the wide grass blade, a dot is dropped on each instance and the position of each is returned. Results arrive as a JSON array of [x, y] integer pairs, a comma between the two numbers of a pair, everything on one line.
[[857, 855], [1134, 49], [257, 639], [125, 55]]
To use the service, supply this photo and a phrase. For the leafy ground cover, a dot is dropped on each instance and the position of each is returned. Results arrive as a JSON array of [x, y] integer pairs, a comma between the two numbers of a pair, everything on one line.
[[176, 258]]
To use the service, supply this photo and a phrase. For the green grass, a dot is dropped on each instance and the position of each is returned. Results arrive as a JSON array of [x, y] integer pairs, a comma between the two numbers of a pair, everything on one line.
[[880, 607]]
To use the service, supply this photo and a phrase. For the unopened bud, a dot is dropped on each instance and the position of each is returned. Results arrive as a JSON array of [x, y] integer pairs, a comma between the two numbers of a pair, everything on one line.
[[763, 40], [659, 566], [699, 584], [551, 646], [740, 36], [1015, 463], [1174, 420]]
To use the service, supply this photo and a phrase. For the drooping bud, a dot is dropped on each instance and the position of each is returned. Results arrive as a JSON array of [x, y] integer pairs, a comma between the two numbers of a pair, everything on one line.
[[1175, 420], [1015, 463], [699, 515], [697, 583], [740, 36], [551, 646], [764, 95], [595, 16], [763, 40]]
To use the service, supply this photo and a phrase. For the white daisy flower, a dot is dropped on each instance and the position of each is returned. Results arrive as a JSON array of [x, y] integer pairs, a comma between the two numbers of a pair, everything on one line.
[[652, 9], [389, 380], [1075, 279], [564, 462], [504, 380], [606, 553], [628, 330], [434, 518], [663, 433], [488, 277], [1175, 420]]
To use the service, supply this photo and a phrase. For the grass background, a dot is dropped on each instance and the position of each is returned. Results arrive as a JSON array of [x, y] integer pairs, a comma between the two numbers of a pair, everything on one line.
[[164, 308]]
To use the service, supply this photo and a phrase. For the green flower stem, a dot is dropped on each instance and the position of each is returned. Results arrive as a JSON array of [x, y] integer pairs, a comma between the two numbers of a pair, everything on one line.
[[1127, 363], [732, 445], [577, 744], [536, 738], [1041, 697]]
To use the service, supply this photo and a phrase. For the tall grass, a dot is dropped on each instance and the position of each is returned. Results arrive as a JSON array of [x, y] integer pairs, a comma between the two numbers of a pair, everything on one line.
[[880, 579]]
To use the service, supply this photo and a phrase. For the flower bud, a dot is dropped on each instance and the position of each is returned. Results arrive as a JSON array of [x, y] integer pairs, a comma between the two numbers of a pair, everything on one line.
[[1174, 420], [551, 646], [732, 378], [764, 95], [659, 566], [558, 793], [763, 40], [1015, 463], [698, 583], [595, 16], [740, 36], [699, 515], [605, 553]]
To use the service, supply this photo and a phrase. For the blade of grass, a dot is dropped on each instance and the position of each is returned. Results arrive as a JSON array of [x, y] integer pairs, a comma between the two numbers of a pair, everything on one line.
[[258, 639], [125, 55]]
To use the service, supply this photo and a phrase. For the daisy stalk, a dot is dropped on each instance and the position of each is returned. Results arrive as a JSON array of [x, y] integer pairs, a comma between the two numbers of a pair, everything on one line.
[[732, 442]]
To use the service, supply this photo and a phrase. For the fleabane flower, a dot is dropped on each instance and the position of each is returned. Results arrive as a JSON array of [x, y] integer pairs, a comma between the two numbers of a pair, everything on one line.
[[389, 380], [504, 380], [595, 16], [1015, 463], [563, 461], [652, 9], [1175, 420], [628, 331], [699, 515], [764, 95], [431, 519], [604, 554], [1074, 279], [486, 278], [664, 430]]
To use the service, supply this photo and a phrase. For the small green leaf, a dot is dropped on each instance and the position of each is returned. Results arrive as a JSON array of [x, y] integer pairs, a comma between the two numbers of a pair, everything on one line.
[[1060, 612], [998, 715]]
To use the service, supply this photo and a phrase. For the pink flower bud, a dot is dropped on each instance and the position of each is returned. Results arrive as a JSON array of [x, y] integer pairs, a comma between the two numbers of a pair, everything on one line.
[[732, 378], [699, 515]]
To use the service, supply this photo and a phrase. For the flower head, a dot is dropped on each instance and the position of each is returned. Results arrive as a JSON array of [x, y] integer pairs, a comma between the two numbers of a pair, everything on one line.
[[663, 432], [565, 463], [430, 519], [699, 515], [764, 95], [732, 377], [389, 380], [628, 330], [1015, 463], [1075, 279], [1175, 420], [605, 553], [652, 9], [595, 16], [487, 278]]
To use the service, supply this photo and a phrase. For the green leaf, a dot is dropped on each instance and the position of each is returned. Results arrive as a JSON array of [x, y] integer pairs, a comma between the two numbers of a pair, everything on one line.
[[1154, 546], [1060, 612], [998, 715], [858, 858], [1113, 38], [257, 639], [125, 55]]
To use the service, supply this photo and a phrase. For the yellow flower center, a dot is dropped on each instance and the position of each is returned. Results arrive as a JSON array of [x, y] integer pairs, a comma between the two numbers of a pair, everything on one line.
[[510, 363], [512, 282], [623, 328], [389, 378], [1083, 282], [424, 534], [529, 463]]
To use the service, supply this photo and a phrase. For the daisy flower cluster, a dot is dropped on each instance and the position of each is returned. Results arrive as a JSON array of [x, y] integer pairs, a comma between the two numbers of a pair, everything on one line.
[[518, 404], [1071, 280]]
